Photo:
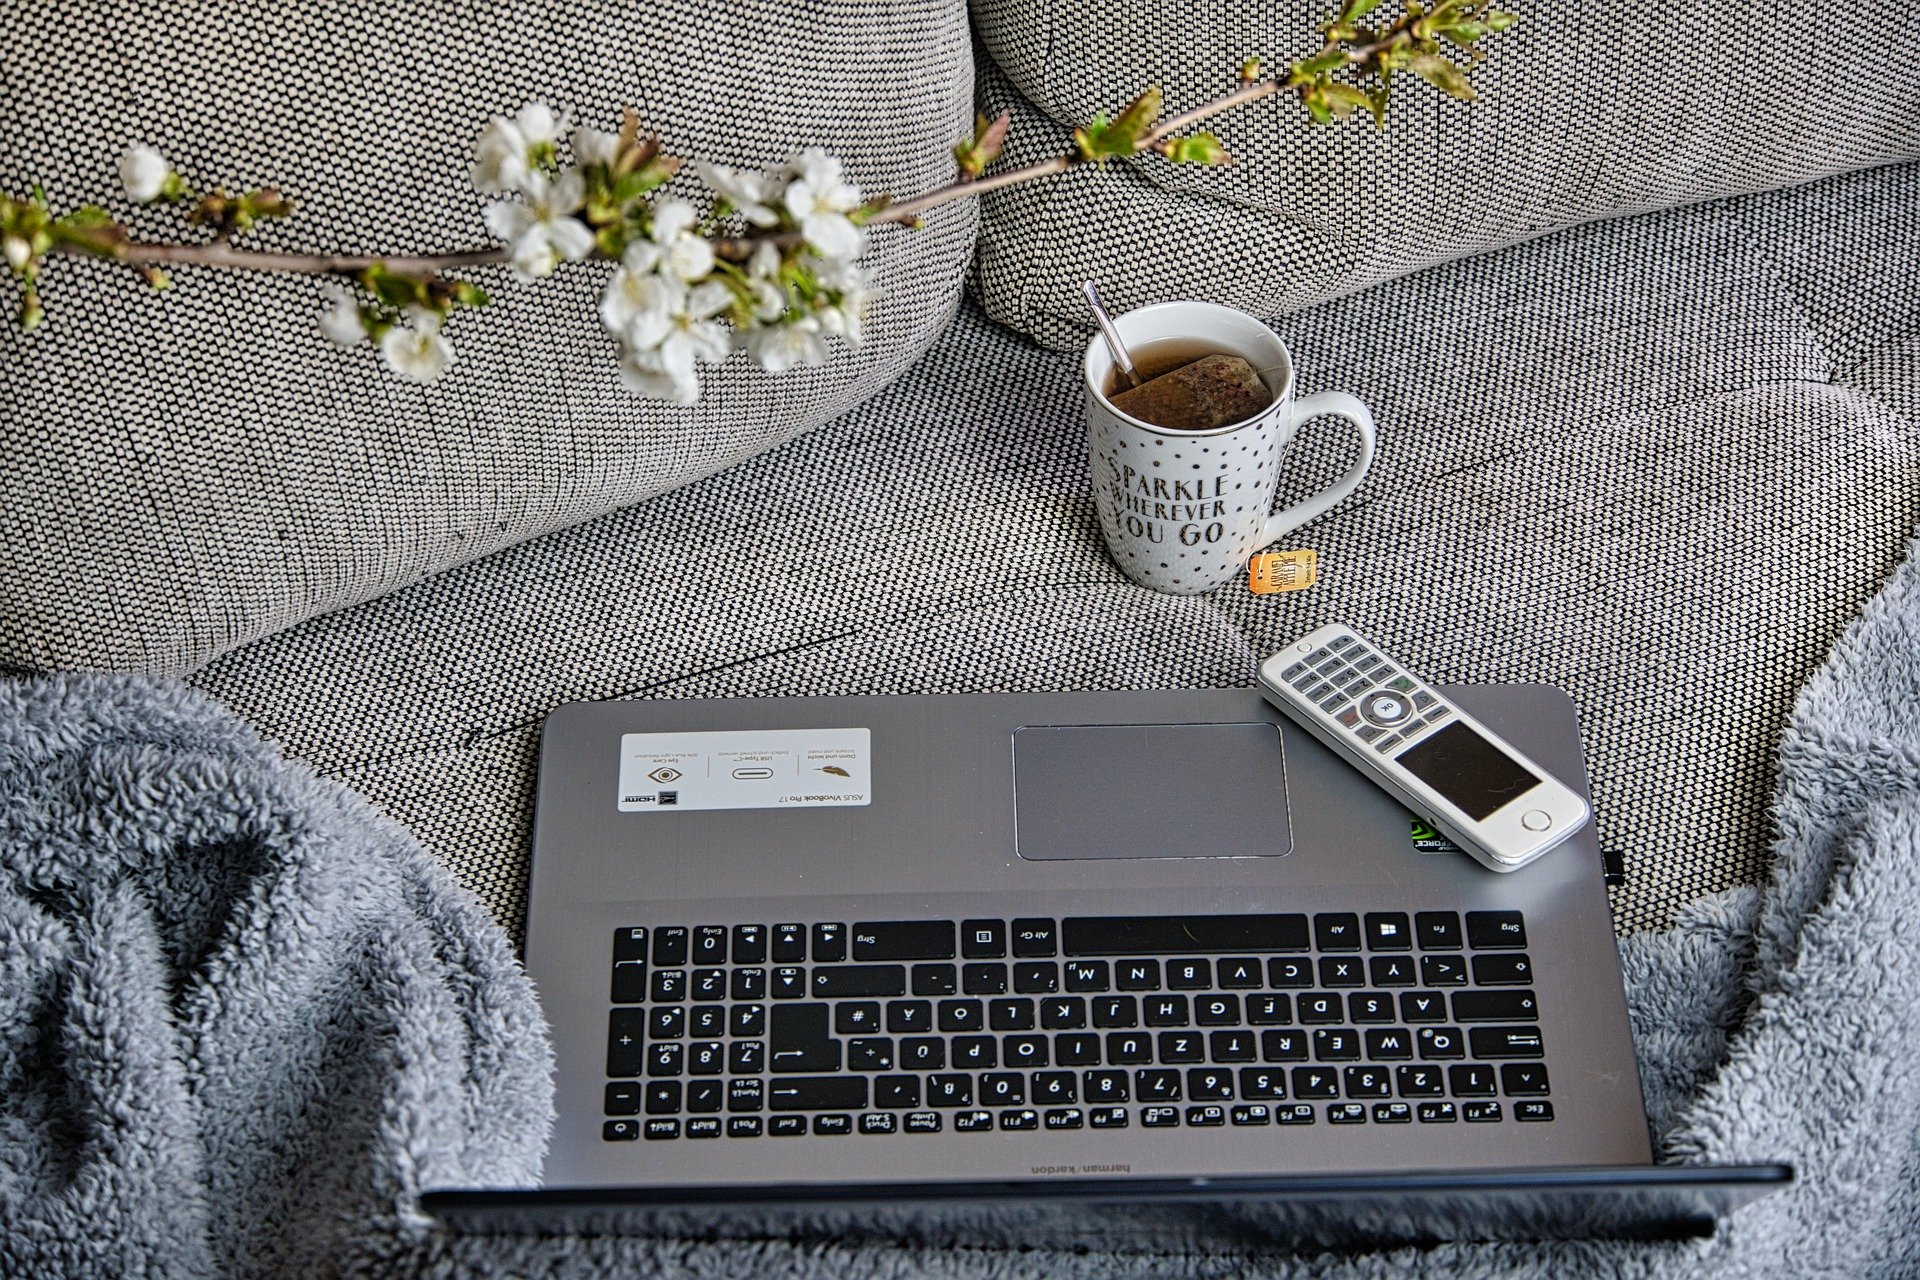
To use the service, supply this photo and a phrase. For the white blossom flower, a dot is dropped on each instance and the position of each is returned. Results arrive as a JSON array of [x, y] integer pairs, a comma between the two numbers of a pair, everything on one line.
[[19, 252], [639, 302], [420, 353], [503, 154], [667, 370], [341, 322], [751, 194], [819, 200], [685, 254], [594, 146], [769, 301], [144, 173], [846, 316], [543, 231], [779, 347]]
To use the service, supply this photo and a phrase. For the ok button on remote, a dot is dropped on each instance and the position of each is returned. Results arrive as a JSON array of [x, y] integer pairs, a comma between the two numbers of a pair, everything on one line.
[[1386, 709]]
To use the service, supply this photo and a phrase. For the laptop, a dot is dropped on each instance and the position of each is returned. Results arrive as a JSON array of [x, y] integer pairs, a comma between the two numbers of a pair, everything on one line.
[[1069, 966]]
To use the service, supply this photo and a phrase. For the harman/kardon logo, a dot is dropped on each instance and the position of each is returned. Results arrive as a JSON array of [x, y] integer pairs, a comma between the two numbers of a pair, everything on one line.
[[1051, 1170]]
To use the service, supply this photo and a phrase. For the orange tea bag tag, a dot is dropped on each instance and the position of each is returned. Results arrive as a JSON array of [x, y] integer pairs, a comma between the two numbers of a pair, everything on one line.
[[1275, 571]]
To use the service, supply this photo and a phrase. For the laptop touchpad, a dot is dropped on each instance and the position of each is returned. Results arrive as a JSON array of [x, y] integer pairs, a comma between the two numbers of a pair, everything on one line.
[[1150, 791]]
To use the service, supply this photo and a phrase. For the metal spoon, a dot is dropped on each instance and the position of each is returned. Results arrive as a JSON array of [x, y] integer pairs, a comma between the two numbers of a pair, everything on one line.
[[1117, 347]]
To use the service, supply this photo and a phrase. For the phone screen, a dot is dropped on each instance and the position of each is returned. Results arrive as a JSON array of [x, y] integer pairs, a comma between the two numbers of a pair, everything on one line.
[[1474, 776]]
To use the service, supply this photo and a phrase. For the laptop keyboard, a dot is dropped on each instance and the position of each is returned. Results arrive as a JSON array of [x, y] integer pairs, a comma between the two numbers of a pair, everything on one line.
[[928, 1026]]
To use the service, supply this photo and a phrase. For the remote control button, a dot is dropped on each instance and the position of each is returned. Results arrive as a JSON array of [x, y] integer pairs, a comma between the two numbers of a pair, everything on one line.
[[1342, 644], [1333, 701], [1293, 672], [1385, 709], [1536, 820], [1400, 684], [1369, 732], [1388, 743], [1350, 717], [1421, 701], [1317, 690], [1438, 714]]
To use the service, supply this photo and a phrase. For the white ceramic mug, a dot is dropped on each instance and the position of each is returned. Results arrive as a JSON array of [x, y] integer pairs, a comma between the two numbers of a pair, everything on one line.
[[1183, 510]]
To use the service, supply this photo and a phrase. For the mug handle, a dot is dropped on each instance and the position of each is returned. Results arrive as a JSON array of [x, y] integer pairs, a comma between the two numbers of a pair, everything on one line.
[[1340, 405]]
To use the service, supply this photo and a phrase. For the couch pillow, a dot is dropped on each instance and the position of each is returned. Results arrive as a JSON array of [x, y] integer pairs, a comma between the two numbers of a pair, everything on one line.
[[1588, 109], [183, 472]]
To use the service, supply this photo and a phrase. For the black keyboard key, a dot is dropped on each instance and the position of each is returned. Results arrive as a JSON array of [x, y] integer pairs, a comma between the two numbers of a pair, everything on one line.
[[1024, 1051], [1106, 1087], [1160, 1117], [1239, 973], [836, 980], [666, 1059], [1087, 975], [1207, 1116], [983, 939], [1437, 930], [1514, 970], [1055, 1088], [1342, 971], [870, 1053], [1337, 931], [670, 945], [1062, 1118], [1063, 1013], [1182, 1046], [1388, 931], [1251, 1114], [1182, 935], [1440, 1042], [1077, 1049], [626, 1042], [1418, 1082], [669, 985], [879, 1122], [1036, 977], [1480, 1112], [817, 1093], [1283, 1046], [1289, 973], [949, 1090], [923, 1053], [1136, 975], [629, 944], [829, 943], [909, 1017], [1209, 1084], [1336, 1044], [1231, 1046], [1436, 1113], [668, 1023], [975, 1053], [1391, 971], [706, 1058], [1316, 1083], [1166, 1011], [747, 1021], [972, 1121], [903, 940], [789, 944], [1011, 1014], [857, 1018], [835, 1126], [1513, 1005], [786, 1126], [1443, 971], [1496, 930], [1108, 1117], [707, 1021], [789, 983], [1129, 1048], [749, 944], [1035, 937], [1116, 1011], [629, 981], [1423, 1006], [1003, 1088], [1367, 1082], [935, 979], [705, 1096], [1018, 1121], [1506, 1042], [709, 984], [1388, 1044], [1535, 1110], [1156, 1084], [1517, 1080], [1392, 1113], [1370, 1006], [746, 1057], [1216, 1011], [961, 1015], [1189, 975], [896, 1091], [798, 1040], [622, 1098], [619, 1131], [1269, 1010], [1321, 1006], [1470, 1080], [710, 944], [983, 979], [749, 984], [663, 1097], [1262, 1084]]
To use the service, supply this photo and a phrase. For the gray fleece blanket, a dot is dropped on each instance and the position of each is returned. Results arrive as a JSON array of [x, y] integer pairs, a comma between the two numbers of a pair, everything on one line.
[[243, 1020]]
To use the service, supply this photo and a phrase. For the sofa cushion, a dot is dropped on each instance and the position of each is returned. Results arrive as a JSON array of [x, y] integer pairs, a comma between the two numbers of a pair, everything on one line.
[[187, 471], [1586, 110]]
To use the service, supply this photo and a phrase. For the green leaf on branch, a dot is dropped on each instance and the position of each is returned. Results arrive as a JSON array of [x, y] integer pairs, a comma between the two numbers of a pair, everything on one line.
[[1101, 139], [1442, 75], [1250, 70], [1344, 100], [1195, 148], [974, 154], [1319, 64], [93, 230]]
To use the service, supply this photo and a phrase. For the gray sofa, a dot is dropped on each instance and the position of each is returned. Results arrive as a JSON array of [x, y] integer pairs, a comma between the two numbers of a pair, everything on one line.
[[1642, 436]]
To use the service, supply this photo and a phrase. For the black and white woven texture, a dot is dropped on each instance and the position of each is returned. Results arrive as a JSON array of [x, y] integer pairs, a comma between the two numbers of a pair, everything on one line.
[[1588, 109], [180, 473], [1657, 462]]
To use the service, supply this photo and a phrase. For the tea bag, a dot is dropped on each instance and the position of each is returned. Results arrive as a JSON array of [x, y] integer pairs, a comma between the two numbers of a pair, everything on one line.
[[1211, 392]]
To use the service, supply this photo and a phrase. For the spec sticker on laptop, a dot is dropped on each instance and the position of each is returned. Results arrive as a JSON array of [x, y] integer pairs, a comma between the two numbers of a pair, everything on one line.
[[745, 769]]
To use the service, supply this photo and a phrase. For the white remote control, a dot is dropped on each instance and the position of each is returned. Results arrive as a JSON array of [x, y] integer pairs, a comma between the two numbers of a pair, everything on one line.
[[1431, 756]]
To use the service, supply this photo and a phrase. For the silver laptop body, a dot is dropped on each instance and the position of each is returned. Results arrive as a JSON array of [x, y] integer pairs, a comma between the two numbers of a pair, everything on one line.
[[1346, 995]]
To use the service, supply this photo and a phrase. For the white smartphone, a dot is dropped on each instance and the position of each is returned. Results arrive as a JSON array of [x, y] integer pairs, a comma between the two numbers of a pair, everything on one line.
[[1432, 757]]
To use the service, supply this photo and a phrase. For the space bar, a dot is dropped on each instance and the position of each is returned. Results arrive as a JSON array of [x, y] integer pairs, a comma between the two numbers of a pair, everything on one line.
[[1176, 935]]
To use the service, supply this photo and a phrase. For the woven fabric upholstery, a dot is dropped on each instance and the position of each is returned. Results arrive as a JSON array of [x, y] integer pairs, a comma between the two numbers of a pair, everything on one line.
[[1589, 108], [1657, 462], [183, 472]]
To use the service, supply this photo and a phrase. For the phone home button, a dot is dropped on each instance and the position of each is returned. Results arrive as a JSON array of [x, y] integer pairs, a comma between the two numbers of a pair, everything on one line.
[[1536, 819]]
